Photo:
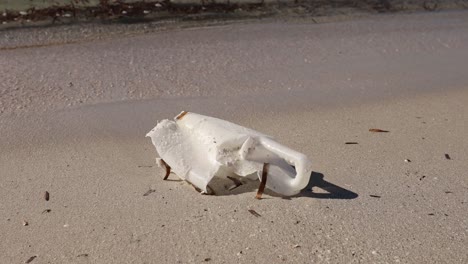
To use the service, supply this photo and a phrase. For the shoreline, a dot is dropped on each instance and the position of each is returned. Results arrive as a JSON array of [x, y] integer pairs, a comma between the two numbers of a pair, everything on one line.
[[114, 10], [379, 62], [201, 13]]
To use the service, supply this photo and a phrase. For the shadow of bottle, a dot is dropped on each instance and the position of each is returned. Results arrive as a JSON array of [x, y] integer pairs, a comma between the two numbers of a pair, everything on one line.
[[333, 191]]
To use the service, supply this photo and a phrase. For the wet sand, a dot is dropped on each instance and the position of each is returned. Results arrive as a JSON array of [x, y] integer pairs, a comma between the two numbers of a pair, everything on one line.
[[73, 119]]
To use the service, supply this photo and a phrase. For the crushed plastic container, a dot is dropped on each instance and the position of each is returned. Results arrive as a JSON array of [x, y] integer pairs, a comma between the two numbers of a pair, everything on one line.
[[197, 148]]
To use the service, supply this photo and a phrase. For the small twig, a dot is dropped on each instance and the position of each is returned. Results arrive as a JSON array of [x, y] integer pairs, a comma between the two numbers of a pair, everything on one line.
[[149, 192], [168, 169], [30, 259], [378, 130], [261, 188], [254, 213]]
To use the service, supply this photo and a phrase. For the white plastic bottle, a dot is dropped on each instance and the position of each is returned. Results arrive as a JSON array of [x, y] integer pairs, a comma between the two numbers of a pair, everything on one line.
[[198, 147]]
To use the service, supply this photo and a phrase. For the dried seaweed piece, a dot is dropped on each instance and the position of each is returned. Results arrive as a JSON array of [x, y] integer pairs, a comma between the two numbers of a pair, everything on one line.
[[46, 211], [30, 259], [149, 192], [447, 156], [254, 213], [378, 130], [181, 115], [168, 169], [375, 196], [82, 255], [46, 196], [351, 143], [261, 188]]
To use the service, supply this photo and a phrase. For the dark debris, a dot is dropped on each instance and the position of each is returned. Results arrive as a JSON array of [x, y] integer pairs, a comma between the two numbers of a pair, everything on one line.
[[254, 213], [150, 191], [30, 259], [377, 130]]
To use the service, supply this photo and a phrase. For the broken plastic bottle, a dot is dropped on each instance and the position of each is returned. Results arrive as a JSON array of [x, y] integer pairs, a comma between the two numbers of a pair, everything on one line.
[[197, 148]]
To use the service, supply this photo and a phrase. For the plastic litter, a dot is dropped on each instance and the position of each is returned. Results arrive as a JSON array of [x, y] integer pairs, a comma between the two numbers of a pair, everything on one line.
[[197, 148]]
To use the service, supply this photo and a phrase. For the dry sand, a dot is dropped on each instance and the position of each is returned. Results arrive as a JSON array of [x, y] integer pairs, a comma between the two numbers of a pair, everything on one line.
[[73, 119]]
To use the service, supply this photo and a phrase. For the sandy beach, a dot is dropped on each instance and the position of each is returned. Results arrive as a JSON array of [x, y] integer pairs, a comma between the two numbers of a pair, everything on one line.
[[73, 119]]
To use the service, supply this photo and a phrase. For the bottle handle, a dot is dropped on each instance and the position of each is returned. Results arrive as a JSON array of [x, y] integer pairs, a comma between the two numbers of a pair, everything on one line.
[[300, 161]]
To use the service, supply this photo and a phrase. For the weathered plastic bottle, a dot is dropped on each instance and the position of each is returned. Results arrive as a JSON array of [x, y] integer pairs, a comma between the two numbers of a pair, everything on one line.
[[198, 147]]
